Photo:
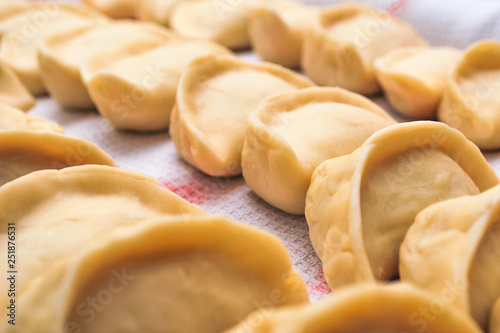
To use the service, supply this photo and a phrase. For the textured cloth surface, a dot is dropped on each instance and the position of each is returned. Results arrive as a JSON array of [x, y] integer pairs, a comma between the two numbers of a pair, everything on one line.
[[450, 22]]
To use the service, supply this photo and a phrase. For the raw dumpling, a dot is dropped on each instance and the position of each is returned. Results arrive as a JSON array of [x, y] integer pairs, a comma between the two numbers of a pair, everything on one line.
[[471, 101], [343, 43], [13, 92], [196, 274], [495, 318], [454, 246], [214, 98], [277, 34], [25, 151], [157, 11], [148, 77], [414, 78], [26, 28], [62, 54], [12, 118], [115, 8], [360, 206], [290, 134], [57, 214], [394, 308], [8, 8], [223, 22]]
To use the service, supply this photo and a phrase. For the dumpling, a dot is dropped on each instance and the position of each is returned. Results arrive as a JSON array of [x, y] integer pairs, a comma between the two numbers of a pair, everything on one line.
[[472, 96], [214, 98], [219, 21], [157, 11], [9, 11], [26, 28], [13, 92], [149, 77], [394, 308], [197, 274], [454, 246], [117, 9], [414, 78], [277, 34], [8, 8], [12, 118], [360, 206], [62, 54], [342, 45], [290, 134], [495, 318], [26, 151], [58, 213]]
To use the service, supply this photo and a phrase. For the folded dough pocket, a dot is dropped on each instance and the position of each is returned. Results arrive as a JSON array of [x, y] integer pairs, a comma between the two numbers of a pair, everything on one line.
[[12, 90], [495, 318], [277, 34], [134, 87], [360, 206], [414, 78], [26, 28], [12, 118], [219, 21], [116, 9], [157, 11], [179, 274], [472, 96], [8, 8], [24, 151], [393, 308], [62, 54], [290, 134], [59, 213], [340, 48], [214, 98], [453, 249]]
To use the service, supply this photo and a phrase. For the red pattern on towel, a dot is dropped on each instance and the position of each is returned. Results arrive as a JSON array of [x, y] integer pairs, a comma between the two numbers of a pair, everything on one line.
[[195, 194]]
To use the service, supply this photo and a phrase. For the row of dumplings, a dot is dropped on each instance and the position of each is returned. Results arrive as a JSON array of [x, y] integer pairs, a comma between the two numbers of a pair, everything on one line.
[[234, 24], [81, 233], [106, 249], [359, 49], [418, 202], [361, 210], [142, 80], [133, 80], [362, 227]]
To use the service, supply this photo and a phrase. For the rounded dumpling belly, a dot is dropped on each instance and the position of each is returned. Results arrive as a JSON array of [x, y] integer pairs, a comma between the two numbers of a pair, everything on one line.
[[393, 194]]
